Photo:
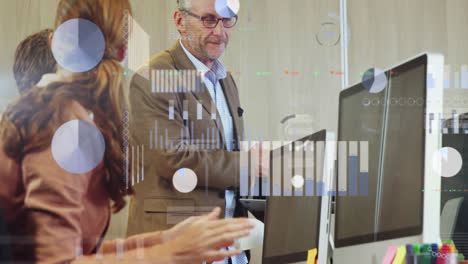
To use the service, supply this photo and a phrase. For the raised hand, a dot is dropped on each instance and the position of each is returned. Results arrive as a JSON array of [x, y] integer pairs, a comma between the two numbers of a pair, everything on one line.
[[203, 240], [182, 226]]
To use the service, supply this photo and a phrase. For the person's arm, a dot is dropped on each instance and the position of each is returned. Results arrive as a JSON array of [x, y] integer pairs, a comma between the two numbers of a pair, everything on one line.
[[148, 107], [133, 242], [53, 205], [159, 255], [194, 240], [158, 237], [54, 208]]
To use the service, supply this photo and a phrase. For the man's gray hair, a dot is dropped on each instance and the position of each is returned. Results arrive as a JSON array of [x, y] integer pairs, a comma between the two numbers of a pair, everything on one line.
[[184, 4]]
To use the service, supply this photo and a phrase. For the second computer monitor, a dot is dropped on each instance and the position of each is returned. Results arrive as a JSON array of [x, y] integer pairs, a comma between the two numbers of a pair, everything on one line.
[[298, 220], [401, 204]]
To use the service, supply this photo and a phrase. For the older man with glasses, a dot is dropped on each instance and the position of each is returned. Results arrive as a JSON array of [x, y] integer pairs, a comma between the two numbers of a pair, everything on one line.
[[197, 126]]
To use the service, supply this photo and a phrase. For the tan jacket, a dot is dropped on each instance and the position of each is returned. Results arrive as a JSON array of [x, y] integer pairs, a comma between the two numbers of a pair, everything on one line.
[[48, 210], [157, 204]]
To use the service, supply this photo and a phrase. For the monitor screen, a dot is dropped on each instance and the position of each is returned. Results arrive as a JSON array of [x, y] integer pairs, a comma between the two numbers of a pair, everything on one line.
[[360, 119], [394, 128], [456, 186], [292, 222], [291, 228], [402, 180]]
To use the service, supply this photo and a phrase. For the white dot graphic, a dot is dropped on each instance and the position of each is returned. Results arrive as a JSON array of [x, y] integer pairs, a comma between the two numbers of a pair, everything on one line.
[[447, 162], [374, 80], [78, 45], [297, 181], [227, 8], [184, 180], [78, 146]]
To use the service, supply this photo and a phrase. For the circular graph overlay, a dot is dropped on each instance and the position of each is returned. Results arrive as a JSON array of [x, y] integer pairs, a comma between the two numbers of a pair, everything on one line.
[[329, 34], [447, 162], [227, 8], [184, 180], [78, 45], [374, 80], [78, 146], [297, 181]]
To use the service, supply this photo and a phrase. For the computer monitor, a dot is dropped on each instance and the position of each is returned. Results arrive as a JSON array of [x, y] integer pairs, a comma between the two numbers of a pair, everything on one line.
[[455, 136], [454, 198], [401, 203], [297, 219]]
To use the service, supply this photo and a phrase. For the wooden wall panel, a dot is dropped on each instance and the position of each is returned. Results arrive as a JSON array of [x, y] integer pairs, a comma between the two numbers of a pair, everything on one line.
[[285, 41], [384, 33], [7, 44]]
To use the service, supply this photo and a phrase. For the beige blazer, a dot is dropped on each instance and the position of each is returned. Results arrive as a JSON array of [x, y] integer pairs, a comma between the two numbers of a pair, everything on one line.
[[157, 204]]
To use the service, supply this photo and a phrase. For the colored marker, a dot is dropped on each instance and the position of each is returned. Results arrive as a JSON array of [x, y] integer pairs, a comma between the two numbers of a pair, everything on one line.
[[417, 253], [400, 255], [390, 255], [426, 254], [416, 249], [443, 254], [312, 256], [448, 242], [410, 256], [453, 255], [434, 253]]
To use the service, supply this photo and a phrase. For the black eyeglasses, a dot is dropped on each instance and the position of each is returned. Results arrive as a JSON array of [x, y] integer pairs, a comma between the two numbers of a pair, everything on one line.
[[212, 21]]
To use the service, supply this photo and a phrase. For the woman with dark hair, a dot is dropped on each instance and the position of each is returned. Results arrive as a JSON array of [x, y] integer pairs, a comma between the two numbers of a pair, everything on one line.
[[56, 216], [33, 58]]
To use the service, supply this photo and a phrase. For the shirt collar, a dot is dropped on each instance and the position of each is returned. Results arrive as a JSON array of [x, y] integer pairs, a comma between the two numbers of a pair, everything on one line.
[[217, 69]]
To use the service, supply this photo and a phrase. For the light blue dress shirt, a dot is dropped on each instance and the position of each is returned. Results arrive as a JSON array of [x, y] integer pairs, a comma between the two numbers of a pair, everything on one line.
[[210, 78]]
